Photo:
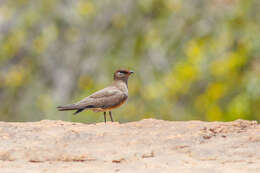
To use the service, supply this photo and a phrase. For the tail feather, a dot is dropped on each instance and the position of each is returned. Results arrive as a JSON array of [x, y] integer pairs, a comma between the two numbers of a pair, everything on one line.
[[74, 107], [68, 107], [78, 111]]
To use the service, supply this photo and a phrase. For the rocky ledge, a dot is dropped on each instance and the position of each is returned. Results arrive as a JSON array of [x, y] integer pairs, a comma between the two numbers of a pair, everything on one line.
[[145, 146]]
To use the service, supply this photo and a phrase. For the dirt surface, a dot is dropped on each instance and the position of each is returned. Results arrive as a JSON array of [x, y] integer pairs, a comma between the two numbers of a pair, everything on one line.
[[145, 146]]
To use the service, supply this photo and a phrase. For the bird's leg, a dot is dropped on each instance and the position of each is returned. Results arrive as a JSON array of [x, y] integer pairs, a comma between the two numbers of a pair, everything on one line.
[[105, 117], [110, 114]]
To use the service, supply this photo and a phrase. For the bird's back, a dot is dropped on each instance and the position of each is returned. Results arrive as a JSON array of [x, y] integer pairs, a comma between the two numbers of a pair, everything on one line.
[[108, 97]]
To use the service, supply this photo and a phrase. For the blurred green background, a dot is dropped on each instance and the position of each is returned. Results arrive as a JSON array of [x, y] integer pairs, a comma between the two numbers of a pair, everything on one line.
[[192, 59]]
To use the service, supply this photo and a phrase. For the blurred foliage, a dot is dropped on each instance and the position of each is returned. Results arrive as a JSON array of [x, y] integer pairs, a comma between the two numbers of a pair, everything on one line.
[[193, 59]]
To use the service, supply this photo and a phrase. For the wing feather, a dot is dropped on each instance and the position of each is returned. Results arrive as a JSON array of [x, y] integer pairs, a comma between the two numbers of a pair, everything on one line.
[[105, 98]]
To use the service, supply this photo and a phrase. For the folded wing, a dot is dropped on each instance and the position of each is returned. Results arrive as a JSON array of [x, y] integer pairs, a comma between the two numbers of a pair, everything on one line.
[[105, 98]]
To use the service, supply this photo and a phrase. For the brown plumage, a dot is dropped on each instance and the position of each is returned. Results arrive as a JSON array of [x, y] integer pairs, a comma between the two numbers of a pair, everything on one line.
[[106, 99]]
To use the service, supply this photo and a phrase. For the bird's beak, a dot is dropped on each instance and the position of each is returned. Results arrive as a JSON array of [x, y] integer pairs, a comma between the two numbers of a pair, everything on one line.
[[131, 72]]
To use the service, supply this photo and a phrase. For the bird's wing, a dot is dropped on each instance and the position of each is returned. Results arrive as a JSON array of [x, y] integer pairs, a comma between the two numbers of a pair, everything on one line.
[[105, 98], [106, 92], [111, 101]]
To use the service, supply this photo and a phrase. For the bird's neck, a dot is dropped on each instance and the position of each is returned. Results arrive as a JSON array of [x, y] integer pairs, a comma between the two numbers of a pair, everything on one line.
[[124, 81], [121, 84]]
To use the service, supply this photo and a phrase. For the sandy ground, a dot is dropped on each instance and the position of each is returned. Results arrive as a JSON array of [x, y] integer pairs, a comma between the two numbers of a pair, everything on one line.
[[145, 146]]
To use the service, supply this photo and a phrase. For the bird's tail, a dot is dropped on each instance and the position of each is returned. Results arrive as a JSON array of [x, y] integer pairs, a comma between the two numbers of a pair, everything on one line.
[[68, 107], [74, 107]]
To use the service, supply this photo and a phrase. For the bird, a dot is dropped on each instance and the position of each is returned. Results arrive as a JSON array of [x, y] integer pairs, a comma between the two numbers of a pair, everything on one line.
[[105, 99]]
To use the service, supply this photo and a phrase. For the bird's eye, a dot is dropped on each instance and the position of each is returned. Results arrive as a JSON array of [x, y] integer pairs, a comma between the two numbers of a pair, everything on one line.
[[121, 72]]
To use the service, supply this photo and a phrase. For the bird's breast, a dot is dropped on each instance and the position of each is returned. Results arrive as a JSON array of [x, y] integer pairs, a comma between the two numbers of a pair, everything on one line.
[[114, 106], [122, 86], [117, 105]]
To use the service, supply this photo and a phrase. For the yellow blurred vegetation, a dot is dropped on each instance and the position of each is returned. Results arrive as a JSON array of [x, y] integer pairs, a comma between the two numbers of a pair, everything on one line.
[[192, 59]]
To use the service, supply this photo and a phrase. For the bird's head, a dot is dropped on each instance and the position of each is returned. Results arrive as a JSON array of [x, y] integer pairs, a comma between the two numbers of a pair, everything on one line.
[[122, 74]]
